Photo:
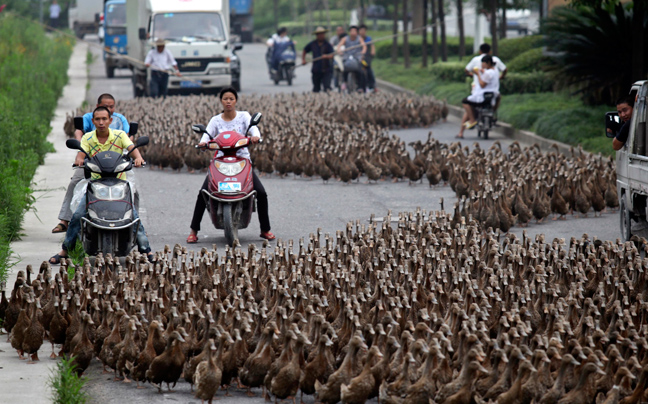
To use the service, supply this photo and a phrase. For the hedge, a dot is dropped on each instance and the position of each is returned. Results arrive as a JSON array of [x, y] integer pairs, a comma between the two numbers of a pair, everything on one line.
[[33, 71], [383, 48], [530, 61], [449, 71], [510, 48]]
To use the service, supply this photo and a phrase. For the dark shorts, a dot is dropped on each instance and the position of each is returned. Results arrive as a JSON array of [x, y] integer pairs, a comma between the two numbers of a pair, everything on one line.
[[471, 103]]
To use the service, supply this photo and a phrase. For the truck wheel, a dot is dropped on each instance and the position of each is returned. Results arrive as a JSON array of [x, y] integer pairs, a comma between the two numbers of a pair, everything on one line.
[[231, 229], [624, 220], [110, 71], [236, 85]]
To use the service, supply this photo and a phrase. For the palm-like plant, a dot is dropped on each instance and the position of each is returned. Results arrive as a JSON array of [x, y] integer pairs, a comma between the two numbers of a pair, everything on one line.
[[592, 50]]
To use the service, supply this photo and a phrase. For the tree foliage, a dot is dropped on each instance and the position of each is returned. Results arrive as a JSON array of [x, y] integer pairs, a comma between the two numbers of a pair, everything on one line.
[[592, 49]]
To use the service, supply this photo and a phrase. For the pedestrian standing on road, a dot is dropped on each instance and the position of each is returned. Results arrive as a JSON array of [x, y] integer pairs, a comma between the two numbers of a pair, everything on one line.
[[102, 139], [119, 122], [54, 14], [368, 58], [322, 70], [238, 121], [162, 62], [625, 106]]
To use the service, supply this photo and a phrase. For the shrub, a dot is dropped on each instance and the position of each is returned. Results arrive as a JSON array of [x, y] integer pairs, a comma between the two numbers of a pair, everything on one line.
[[383, 48], [33, 68], [449, 71], [530, 61], [510, 48], [521, 83], [66, 385]]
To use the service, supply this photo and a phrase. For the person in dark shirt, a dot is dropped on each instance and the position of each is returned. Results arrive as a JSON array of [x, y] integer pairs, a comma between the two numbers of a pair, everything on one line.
[[323, 53], [624, 108]]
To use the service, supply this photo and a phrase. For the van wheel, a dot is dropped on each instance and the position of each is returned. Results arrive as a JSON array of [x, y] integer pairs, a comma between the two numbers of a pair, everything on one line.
[[625, 221]]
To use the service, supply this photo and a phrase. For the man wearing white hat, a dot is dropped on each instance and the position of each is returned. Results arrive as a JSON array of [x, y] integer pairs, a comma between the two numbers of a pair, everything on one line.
[[162, 61], [322, 69]]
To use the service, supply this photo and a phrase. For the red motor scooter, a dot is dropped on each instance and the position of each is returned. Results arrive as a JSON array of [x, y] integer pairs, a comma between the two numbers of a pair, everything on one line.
[[230, 195]]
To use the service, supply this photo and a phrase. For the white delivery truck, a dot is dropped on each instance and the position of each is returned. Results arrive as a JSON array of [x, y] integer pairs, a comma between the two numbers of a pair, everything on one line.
[[84, 16], [197, 34]]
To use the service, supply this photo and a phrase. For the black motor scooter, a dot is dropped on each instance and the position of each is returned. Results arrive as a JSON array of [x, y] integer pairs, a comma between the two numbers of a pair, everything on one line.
[[109, 225], [485, 114]]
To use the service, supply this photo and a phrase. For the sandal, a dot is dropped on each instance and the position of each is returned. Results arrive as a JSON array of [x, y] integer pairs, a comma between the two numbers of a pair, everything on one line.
[[56, 259], [60, 228], [267, 235], [192, 239], [471, 125]]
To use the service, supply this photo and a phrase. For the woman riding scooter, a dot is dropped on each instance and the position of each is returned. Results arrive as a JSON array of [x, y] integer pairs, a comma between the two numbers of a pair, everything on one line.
[[232, 120]]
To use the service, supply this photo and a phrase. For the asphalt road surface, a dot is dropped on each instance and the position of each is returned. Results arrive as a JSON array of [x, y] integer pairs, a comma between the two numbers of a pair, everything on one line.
[[297, 206]]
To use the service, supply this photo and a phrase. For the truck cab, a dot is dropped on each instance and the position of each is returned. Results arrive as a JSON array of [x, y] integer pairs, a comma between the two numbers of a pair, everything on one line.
[[196, 33], [114, 25], [632, 164]]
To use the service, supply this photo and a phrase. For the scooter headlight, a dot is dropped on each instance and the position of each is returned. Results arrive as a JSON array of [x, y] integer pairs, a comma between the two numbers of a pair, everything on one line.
[[110, 193], [93, 167], [230, 169]]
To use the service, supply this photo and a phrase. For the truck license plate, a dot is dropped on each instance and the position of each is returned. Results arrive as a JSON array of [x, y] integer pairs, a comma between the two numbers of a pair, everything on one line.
[[191, 84], [229, 187]]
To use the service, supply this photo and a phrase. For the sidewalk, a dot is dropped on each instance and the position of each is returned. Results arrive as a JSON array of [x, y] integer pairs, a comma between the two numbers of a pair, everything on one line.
[[19, 382]]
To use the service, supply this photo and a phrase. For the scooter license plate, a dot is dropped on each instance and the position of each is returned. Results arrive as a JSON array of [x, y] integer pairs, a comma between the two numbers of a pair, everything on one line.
[[229, 187]]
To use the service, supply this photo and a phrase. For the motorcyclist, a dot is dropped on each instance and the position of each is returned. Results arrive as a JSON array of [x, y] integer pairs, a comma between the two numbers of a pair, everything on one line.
[[488, 81], [353, 47], [119, 122], [280, 38], [102, 139], [232, 120]]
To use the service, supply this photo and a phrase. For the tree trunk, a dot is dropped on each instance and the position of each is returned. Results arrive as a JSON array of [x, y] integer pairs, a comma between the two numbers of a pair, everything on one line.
[[503, 22], [424, 43], [444, 44], [638, 43], [328, 14], [394, 49], [275, 9], [309, 17], [435, 39], [460, 28], [345, 16], [493, 25], [361, 17], [406, 50]]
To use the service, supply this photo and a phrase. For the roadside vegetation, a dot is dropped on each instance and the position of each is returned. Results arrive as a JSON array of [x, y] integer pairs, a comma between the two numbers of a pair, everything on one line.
[[66, 385], [33, 71], [530, 98]]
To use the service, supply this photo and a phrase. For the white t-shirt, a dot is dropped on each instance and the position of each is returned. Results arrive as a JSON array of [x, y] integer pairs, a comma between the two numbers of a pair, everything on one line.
[[277, 39], [491, 78], [162, 60], [55, 11], [239, 124], [476, 62]]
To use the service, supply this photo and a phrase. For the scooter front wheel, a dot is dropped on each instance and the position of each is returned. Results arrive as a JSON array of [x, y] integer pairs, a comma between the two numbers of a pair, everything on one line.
[[231, 229]]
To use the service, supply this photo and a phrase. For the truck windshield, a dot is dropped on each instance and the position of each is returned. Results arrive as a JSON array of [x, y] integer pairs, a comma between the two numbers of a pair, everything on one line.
[[188, 26], [115, 15]]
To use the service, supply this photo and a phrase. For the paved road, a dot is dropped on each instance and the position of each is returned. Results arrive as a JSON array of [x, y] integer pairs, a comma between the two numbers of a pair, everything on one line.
[[297, 206]]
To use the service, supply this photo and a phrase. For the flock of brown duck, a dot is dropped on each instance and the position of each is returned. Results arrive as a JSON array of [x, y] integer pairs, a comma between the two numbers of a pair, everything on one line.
[[425, 308]]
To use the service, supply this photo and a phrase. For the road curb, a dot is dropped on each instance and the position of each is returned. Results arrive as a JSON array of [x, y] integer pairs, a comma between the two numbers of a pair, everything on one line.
[[503, 128], [19, 382]]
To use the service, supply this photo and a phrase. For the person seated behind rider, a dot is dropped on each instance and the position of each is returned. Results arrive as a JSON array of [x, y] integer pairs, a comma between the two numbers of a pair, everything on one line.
[[485, 49], [368, 58], [102, 139], [624, 106], [119, 122], [238, 121], [488, 80], [354, 48], [281, 37]]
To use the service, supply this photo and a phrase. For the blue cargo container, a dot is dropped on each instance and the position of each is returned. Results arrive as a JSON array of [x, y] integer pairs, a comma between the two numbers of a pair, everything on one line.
[[114, 35], [241, 19]]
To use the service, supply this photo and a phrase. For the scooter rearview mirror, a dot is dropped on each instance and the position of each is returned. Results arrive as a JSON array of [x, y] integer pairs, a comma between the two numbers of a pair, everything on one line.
[[256, 118], [78, 123], [142, 141], [134, 126], [200, 129], [73, 144]]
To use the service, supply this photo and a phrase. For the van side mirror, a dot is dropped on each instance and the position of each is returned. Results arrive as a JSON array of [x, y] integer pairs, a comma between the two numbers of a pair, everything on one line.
[[78, 123], [142, 34], [134, 126], [612, 124], [238, 46]]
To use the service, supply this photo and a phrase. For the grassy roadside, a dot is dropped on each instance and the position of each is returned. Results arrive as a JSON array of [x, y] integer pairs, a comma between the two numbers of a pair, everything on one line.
[[33, 71], [558, 116]]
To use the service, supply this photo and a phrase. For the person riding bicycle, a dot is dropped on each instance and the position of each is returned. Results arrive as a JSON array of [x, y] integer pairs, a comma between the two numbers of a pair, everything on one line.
[[488, 81], [353, 48], [232, 120]]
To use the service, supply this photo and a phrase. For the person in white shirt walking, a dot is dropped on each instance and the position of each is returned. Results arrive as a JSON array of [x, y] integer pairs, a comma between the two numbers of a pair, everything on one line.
[[162, 61], [55, 13], [487, 81]]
